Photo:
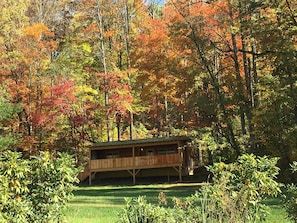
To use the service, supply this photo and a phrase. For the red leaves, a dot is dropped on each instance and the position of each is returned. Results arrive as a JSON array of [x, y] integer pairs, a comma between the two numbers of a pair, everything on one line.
[[58, 101], [62, 97]]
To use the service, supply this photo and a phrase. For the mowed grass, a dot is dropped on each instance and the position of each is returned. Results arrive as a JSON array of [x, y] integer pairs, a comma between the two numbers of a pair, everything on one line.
[[101, 204]]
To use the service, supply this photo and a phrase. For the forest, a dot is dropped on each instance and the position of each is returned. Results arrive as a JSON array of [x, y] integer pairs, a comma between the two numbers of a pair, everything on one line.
[[224, 72]]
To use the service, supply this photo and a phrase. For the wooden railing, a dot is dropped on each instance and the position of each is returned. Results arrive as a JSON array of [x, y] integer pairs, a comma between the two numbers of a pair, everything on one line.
[[137, 162]]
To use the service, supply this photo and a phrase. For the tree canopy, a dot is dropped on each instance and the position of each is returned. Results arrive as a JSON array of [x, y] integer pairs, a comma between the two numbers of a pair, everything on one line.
[[82, 71]]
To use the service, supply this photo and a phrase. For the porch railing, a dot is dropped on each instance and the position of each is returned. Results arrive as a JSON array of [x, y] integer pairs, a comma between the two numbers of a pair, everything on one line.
[[137, 162]]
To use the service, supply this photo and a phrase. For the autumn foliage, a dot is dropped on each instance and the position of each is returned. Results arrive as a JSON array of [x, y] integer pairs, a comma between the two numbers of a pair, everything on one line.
[[87, 71]]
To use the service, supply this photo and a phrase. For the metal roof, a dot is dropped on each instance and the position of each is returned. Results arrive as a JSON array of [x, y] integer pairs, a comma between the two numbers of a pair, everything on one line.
[[139, 142]]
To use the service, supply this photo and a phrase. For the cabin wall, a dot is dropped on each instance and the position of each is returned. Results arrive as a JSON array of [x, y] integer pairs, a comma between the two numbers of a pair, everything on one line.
[[137, 162]]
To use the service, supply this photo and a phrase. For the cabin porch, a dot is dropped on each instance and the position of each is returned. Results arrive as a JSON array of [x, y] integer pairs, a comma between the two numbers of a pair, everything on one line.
[[135, 156]]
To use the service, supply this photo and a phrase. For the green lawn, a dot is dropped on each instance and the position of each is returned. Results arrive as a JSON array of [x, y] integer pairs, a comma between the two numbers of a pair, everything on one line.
[[101, 204]]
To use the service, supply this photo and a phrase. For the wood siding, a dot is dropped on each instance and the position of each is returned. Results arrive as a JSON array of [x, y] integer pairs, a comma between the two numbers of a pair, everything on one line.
[[138, 162]]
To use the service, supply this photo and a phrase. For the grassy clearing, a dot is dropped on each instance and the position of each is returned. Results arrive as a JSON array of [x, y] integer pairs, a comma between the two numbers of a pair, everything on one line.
[[101, 204]]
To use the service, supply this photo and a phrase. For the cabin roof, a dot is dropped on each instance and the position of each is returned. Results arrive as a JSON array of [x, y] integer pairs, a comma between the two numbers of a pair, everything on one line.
[[139, 142]]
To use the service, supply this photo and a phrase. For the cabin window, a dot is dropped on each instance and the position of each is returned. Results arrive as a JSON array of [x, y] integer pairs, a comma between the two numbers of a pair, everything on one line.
[[97, 154], [112, 155], [166, 151], [150, 152]]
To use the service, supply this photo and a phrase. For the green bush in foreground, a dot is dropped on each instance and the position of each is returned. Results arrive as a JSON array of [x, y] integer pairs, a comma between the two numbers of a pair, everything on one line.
[[236, 195], [290, 198], [35, 190], [140, 211], [239, 188]]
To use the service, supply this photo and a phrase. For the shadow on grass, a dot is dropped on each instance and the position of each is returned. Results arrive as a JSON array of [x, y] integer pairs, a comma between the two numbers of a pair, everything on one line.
[[273, 201], [181, 191], [115, 195]]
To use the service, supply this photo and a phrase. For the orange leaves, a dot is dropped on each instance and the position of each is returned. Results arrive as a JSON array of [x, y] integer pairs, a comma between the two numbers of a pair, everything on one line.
[[37, 31], [36, 43], [109, 33], [40, 35], [91, 30], [155, 37], [154, 58]]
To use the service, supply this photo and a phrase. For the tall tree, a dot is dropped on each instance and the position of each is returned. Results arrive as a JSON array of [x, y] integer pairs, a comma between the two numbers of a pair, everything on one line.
[[277, 126], [151, 56]]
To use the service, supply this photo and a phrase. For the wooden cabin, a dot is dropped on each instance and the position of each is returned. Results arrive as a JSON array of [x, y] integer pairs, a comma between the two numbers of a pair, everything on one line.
[[142, 157]]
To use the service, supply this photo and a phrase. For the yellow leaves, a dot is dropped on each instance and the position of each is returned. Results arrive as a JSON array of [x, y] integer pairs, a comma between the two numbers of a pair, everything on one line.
[[234, 29], [222, 165], [86, 89], [86, 93], [45, 156], [15, 183], [13, 14], [86, 47]]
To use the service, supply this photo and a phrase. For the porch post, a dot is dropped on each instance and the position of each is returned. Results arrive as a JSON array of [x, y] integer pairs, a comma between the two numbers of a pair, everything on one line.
[[90, 170], [133, 171], [90, 178], [134, 176], [180, 173], [181, 160]]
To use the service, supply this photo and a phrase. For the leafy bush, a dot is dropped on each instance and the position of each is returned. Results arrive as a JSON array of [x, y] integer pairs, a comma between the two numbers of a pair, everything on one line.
[[290, 197], [239, 188], [235, 196], [237, 191], [35, 190], [138, 210]]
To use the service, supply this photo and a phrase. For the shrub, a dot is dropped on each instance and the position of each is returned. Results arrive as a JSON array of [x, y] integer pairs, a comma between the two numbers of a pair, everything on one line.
[[35, 190], [235, 196], [239, 188], [138, 210], [290, 197]]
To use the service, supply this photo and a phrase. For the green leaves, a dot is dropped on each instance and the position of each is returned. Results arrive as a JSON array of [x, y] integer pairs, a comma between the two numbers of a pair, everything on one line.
[[7, 112], [234, 196], [290, 197], [35, 190], [238, 188]]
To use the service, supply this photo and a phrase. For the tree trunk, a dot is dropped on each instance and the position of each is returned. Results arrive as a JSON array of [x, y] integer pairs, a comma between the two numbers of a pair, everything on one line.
[[240, 86], [103, 60], [127, 44]]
